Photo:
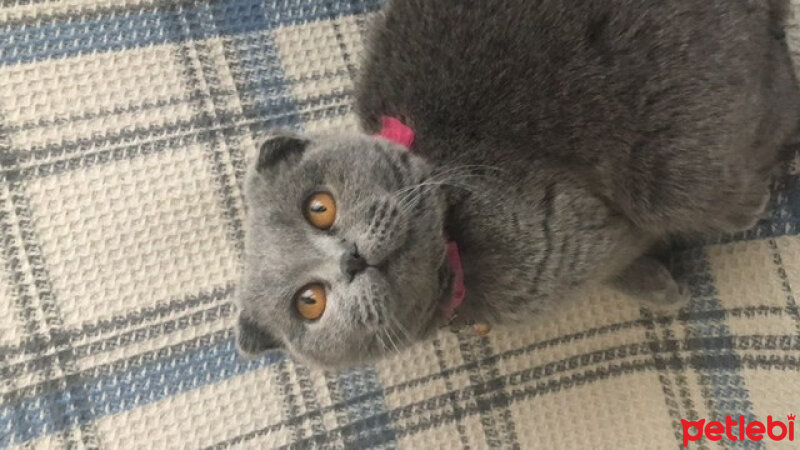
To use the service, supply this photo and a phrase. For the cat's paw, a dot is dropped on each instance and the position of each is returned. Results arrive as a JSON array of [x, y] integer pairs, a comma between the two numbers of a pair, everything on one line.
[[672, 298], [650, 282]]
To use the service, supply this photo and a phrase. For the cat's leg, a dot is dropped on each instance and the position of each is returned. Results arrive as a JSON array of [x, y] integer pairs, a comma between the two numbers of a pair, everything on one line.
[[650, 282]]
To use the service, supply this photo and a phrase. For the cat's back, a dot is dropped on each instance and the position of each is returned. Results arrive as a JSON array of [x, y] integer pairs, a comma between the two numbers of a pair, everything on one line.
[[555, 76]]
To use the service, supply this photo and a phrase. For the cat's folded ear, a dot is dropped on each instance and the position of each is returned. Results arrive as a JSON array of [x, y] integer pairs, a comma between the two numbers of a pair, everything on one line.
[[280, 147], [251, 339]]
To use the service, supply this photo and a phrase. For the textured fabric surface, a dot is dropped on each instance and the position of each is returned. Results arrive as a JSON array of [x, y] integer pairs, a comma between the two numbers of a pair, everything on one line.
[[125, 128]]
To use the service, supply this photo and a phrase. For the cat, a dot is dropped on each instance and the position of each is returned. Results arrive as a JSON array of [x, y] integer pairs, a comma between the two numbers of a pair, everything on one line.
[[553, 147]]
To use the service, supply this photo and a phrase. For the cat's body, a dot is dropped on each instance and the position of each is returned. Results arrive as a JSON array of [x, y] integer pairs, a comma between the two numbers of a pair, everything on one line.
[[648, 117], [556, 144]]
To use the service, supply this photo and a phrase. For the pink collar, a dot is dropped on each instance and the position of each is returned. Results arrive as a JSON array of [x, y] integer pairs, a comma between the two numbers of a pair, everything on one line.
[[396, 131]]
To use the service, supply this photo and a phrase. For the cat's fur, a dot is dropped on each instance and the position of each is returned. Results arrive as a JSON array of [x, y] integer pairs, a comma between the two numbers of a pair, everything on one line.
[[556, 142]]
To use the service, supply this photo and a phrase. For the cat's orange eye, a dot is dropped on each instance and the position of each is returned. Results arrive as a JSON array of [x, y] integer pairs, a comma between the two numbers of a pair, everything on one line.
[[310, 301], [320, 210]]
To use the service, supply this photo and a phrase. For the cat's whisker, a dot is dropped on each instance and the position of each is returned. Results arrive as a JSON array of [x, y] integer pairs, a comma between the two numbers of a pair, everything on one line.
[[391, 341], [407, 207], [397, 330], [396, 347], [382, 342], [453, 177], [466, 167], [448, 174], [403, 195], [408, 201], [403, 335], [402, 192], [392, 335]]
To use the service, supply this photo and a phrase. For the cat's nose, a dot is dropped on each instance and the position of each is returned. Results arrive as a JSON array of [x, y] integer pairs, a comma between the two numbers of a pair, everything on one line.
[[352, 263]]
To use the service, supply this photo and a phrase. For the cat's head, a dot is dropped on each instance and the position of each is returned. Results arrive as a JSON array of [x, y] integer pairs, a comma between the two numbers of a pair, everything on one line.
[[345, 253]]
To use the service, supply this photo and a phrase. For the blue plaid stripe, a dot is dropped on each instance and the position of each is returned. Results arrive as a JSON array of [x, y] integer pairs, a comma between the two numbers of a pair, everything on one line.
[[351, 386], [724, 387], [30, 417], [116, 29], [264, 87]]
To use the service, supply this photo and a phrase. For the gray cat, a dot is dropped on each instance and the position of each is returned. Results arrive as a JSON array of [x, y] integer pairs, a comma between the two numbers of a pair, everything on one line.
[[555, 143]]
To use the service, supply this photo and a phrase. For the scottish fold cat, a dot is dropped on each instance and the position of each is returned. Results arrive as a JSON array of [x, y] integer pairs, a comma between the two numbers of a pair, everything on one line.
[[512, 151]]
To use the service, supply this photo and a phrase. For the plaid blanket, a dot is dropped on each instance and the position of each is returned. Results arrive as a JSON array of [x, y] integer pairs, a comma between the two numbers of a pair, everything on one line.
[[125, 129]]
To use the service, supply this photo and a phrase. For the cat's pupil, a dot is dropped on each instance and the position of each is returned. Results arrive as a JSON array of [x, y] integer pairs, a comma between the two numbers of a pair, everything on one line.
[[308, 300], [318, 207]]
